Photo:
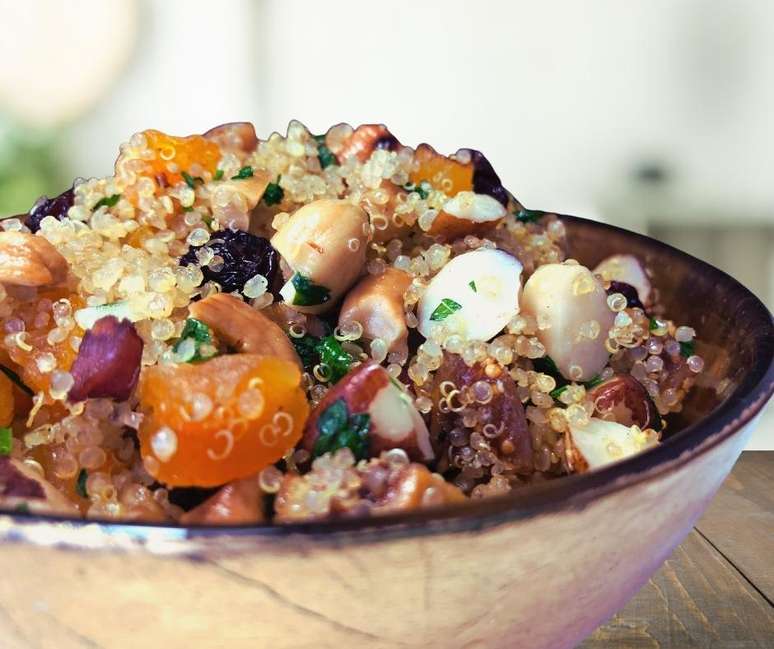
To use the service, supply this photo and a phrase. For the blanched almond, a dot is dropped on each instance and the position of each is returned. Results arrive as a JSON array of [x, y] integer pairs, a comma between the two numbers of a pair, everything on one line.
[[467, 213], [601, 442], [376, 302], [242, 327], [628, 269], [30, 260]]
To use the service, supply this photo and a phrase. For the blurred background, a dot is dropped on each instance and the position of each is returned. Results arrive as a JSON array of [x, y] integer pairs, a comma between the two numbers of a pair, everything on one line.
[[653, 114]]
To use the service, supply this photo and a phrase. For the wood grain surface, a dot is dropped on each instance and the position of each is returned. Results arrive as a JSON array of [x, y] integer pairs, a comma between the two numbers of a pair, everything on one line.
[[717, 590]]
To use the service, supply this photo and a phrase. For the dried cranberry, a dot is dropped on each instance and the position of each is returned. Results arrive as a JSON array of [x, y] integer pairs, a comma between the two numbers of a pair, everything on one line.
[[485, 179], [388, 141], [244, 256], [108, 361], [45, 206], [14, 484], [629, 292]]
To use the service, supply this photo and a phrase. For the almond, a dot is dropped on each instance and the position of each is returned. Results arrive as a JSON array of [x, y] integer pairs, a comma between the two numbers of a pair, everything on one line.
[[30, 260], [238, 502], [623, 398]]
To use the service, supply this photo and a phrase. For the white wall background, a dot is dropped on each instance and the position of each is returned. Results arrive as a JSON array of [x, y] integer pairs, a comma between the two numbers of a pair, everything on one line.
[[565, 97]]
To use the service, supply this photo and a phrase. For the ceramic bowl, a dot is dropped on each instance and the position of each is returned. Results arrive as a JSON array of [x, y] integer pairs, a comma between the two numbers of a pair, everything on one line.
[[540, 568]]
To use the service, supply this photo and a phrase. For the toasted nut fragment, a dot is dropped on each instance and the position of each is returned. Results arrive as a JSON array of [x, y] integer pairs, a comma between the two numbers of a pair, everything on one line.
[[242, 327], [602, 442], [376, 302], [380, 486], [623, 398], [364, 140], [233, 212], [238, 502], [29, 260], [393, 420], [325, 243], [234, 136], [20, 484]]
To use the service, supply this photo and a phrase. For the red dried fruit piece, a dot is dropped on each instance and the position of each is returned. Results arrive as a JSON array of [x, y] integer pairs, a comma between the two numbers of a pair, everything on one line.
[[504, 411], [623, 399], [364, 140], [108, 361], [234, 136]]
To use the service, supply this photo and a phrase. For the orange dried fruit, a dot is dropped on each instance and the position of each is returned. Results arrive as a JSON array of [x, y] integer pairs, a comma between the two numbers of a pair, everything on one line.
[[6, 401], [445, 174], [227, 418]]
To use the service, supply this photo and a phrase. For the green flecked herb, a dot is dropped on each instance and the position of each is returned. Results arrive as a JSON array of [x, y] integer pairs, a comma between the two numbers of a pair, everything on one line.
[[244, 172], [557, 392], [472, 285], [593, 382], [687, 349], [445, 309], [334, 357], [307, 293], [653, 324], [218, 174], [201, 335], [16, 379], [422, 188], [6, 441], [306, 348], [273, 194], [188, 209], [338, 429], [80, 483], [22, 508], [190, 180], [529, 216], [108, 201], [324, 154]]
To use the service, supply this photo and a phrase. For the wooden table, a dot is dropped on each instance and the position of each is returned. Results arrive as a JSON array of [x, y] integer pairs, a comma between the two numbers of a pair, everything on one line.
[[717, 590]]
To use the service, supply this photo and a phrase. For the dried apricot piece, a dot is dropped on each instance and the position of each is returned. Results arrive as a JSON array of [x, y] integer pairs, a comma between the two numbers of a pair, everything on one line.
[[227, 418], [6, 401], [445, 174]]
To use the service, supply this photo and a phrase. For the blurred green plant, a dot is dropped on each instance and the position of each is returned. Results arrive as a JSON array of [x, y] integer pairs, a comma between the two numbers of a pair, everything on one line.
[[29, 167]]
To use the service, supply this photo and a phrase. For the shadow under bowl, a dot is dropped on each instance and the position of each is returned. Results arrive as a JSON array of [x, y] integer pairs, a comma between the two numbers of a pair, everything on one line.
[[539, 568]]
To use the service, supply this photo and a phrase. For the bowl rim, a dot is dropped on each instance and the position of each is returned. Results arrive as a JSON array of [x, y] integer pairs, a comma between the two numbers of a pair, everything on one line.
[[570, 492]]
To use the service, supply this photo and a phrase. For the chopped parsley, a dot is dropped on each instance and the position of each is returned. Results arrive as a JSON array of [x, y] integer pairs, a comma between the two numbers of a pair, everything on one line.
[[108, 201], [195, 343], [529, 216], [188, 209], [337, 429], [334, 357], [6, 441], [687, 349], [16, 380], [422, 188], [22, 508], [472, 285], [591, 383], [653, 325], [218, 174], [445, 309], [190, 180], [80, 484], [324, 154], [326, 351], [274, 193], [244, 172], [307, 293]]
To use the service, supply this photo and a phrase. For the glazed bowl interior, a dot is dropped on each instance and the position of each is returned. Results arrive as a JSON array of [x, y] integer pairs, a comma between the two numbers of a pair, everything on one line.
[[735, 337]]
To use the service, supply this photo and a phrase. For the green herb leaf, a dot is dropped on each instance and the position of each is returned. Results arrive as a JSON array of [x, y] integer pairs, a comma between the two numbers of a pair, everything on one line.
[[339, 430], [201, 335], [218, 174], [556, 392], [306, 348], [529, 216], [188, 179], [334, 357], [244, 172], [80, 484], [687, 349], [273, 194], [6, 441], [324, 154], [307, 292], [423, 188], [472, 285], [108, 201], [22, 508], [593, 382], [653, 324], [15, 378], [188, 209], [445, 309]]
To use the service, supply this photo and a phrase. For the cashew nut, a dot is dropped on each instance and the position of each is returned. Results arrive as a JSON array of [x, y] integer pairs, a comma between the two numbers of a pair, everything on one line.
[[233, 200], [30, 260], [242, 327], [324, 243], [376, 302]]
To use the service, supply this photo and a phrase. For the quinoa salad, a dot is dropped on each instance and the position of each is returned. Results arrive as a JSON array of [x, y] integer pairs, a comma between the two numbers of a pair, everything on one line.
[[232, 330]]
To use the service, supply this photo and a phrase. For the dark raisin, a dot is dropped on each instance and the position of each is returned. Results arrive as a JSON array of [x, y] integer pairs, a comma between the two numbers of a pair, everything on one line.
[[244, 256], [388, 141], [485, 179], [45, 206], [629, 292]]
